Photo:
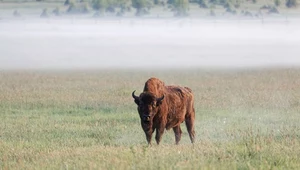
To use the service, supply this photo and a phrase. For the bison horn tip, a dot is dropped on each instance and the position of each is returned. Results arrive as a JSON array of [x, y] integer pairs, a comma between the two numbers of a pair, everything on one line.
[[133, 95]]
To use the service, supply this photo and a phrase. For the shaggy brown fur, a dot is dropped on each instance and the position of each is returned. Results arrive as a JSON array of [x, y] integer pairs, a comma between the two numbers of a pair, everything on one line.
[[164, 107]]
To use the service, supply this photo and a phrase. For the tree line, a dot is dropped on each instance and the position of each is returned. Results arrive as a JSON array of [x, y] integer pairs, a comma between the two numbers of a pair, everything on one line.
[[179, 7], [143, 7]]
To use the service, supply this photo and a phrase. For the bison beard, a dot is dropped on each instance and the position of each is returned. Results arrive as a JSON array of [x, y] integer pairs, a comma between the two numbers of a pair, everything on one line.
[[164, 107]]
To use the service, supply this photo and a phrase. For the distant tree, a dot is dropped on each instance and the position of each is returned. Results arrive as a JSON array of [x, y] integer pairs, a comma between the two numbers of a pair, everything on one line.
[[213, 1], [112, 6], [170, 1], [142, 7], [81, 8], [56, 11], [181, 7], [229, 8], [212, 12], [125, 6], [100, 5], [247, 13], [237, 4], [265, 7], [291, 3], [277, 3], [119, 7], [44, 13], [202, 4], [16, 13], [222, 2], [67, 2], [273, 9], [227, 5]]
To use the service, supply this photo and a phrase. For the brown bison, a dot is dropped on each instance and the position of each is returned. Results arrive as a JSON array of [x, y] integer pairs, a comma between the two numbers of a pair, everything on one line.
[[162, 106]]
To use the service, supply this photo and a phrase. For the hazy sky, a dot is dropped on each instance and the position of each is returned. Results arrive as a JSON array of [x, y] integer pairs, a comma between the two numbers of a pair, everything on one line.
[[147, 43]]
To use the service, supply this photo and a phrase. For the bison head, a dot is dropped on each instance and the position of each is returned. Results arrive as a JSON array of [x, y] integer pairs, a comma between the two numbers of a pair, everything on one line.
[[147, 105]]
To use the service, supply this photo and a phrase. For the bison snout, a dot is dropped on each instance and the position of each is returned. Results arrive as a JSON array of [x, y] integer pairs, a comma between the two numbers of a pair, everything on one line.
[[146, 118]]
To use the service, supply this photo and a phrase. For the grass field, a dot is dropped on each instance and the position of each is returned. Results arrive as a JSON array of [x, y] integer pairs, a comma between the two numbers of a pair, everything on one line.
[[245, 119]]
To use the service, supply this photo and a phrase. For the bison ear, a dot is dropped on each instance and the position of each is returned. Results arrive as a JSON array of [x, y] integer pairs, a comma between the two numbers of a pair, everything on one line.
[[159, 100], [136, 98]]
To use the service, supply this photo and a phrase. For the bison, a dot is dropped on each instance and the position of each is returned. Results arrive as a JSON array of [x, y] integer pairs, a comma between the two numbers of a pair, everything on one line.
[[164, 107]]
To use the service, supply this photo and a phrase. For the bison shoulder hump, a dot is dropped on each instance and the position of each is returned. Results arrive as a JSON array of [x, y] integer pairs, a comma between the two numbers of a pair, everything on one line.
[[155, 86], [188, 89]]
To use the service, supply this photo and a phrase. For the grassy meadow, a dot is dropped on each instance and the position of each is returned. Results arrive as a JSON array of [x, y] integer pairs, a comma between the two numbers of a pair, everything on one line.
[[245, 119]]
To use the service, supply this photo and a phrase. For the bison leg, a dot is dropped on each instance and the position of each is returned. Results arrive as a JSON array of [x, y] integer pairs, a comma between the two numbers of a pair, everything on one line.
[[159, 133], [148, 137], [189, 121], [148, 129], [178, 132]]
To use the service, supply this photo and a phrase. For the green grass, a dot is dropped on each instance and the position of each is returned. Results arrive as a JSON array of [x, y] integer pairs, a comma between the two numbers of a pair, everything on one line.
[[88, 120]]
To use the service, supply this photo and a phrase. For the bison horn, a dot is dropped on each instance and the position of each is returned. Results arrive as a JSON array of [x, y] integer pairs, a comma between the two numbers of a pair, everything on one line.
[[160, 99], [134, 96]]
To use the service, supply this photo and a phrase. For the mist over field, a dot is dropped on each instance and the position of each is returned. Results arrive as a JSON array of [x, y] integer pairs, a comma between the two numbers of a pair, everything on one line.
[[72, 43]]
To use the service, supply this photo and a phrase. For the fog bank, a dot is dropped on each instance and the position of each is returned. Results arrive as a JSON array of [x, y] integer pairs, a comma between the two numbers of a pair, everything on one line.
[[147, 43]]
